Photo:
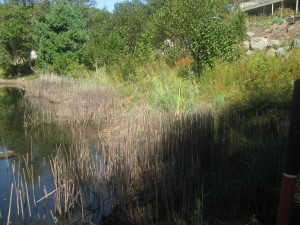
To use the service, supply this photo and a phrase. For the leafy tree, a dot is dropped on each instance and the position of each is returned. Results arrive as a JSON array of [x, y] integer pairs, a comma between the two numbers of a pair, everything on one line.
[[239, 26], [202, 28], [211, 39], [61, 37], [16, 38], [25, 3], [177, 17], [121, 39], [130, 19]]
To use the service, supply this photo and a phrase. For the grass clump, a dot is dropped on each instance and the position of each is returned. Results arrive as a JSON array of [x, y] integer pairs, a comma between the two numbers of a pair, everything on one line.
[[271, 21]]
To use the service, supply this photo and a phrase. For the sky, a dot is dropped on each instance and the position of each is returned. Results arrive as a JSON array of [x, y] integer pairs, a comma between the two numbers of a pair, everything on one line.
[[109, 4]]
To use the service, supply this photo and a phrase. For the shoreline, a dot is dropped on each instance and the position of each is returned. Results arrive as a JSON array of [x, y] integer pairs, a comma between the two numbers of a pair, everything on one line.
[[16, 83]]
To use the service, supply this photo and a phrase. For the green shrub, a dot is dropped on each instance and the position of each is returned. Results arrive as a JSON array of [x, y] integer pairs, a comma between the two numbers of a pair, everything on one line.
[[61, 37], [63, 65], [211, 40], [126, 67], [239, 27], [269, 22]]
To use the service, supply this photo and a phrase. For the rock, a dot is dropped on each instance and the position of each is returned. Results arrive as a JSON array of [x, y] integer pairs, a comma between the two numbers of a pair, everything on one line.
[[269, 30], [290, 28], [250, 34], [246, 44], [7, 154], [271, 52], [273, 43], [258, 43], [295, 43], [281, 51], [250, 52]]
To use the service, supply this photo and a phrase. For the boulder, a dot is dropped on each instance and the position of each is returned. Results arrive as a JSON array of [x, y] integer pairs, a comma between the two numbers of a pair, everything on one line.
[[271, 52], [250, 34], [250, 52], [258, 43], [246, 45], [273, 43], [7, 154], [295, 43], [282, 51]]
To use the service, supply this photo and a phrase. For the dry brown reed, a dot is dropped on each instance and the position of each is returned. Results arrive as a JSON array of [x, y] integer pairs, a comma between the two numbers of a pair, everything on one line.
[[155, 166], [10, 199], [77, 176], [152, 163], [65, 101]]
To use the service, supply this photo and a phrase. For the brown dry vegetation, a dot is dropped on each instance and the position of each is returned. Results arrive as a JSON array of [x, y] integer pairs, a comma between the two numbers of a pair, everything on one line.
[[164, 167], [65, 101], [172, 168]]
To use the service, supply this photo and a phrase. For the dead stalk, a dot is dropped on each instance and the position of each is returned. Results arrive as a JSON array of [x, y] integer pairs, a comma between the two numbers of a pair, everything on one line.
[[10, 200]]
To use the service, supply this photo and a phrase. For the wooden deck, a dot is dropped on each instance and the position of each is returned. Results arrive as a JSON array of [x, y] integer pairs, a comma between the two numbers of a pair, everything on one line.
[[254, 4]]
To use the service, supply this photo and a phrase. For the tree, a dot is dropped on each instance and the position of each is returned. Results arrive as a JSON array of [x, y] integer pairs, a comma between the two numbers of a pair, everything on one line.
[[120, 35], [16, 39], [211, 39], [200, 27], [61, 37]]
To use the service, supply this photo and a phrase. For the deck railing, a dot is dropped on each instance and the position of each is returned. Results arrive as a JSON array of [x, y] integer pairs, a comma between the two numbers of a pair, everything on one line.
[[253, 4]]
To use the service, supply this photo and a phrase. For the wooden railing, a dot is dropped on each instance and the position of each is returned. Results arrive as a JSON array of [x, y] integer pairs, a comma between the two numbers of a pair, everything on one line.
[[253, 4]]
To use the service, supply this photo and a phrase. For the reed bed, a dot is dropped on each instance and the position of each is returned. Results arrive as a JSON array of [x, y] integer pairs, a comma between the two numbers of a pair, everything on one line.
[[162, 166], [22, 195], [166, 168], [67, 101]]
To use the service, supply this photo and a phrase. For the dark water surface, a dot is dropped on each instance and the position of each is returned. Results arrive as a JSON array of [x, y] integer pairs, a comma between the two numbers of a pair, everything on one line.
[[34, 146]]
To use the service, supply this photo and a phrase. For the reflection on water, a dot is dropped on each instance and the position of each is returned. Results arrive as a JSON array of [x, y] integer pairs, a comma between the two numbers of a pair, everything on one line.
[[33, 145]]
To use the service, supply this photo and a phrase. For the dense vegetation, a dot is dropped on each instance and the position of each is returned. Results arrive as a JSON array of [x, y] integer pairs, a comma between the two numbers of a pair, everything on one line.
[[217, 112], [73, 35]]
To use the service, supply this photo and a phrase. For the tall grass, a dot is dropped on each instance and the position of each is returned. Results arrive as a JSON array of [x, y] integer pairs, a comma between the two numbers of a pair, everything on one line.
[[166, 163], [203, 157], [68, 101]]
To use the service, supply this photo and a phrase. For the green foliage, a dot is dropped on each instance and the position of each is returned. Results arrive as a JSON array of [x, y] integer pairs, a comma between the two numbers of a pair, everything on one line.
[[61, 37], [199, 209], [15, 38], [177, 17], [202, 28], [172, 94], [70, 33], [132, 35], [239, 27], [269, 22], [122, 39], [66, 66], [211, 40]]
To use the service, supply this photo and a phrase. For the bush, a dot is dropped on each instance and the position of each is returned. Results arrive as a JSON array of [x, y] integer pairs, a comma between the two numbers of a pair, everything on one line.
[[61, 37], [210, 40], [63, 65], [269, 22], [239, 27]]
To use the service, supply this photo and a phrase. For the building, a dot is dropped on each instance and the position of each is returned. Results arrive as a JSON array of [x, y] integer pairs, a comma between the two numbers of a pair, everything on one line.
[[267, 6]]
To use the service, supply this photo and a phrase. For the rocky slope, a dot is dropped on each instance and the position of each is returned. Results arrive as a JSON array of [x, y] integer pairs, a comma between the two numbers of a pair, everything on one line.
[[275, 39]]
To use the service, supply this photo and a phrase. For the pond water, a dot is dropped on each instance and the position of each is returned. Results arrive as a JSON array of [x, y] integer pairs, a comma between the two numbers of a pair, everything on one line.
[[33, 147]]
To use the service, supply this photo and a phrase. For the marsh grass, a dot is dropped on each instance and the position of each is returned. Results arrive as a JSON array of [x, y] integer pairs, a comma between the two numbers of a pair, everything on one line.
[[197, 153], [165, 163], [67, 101]]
